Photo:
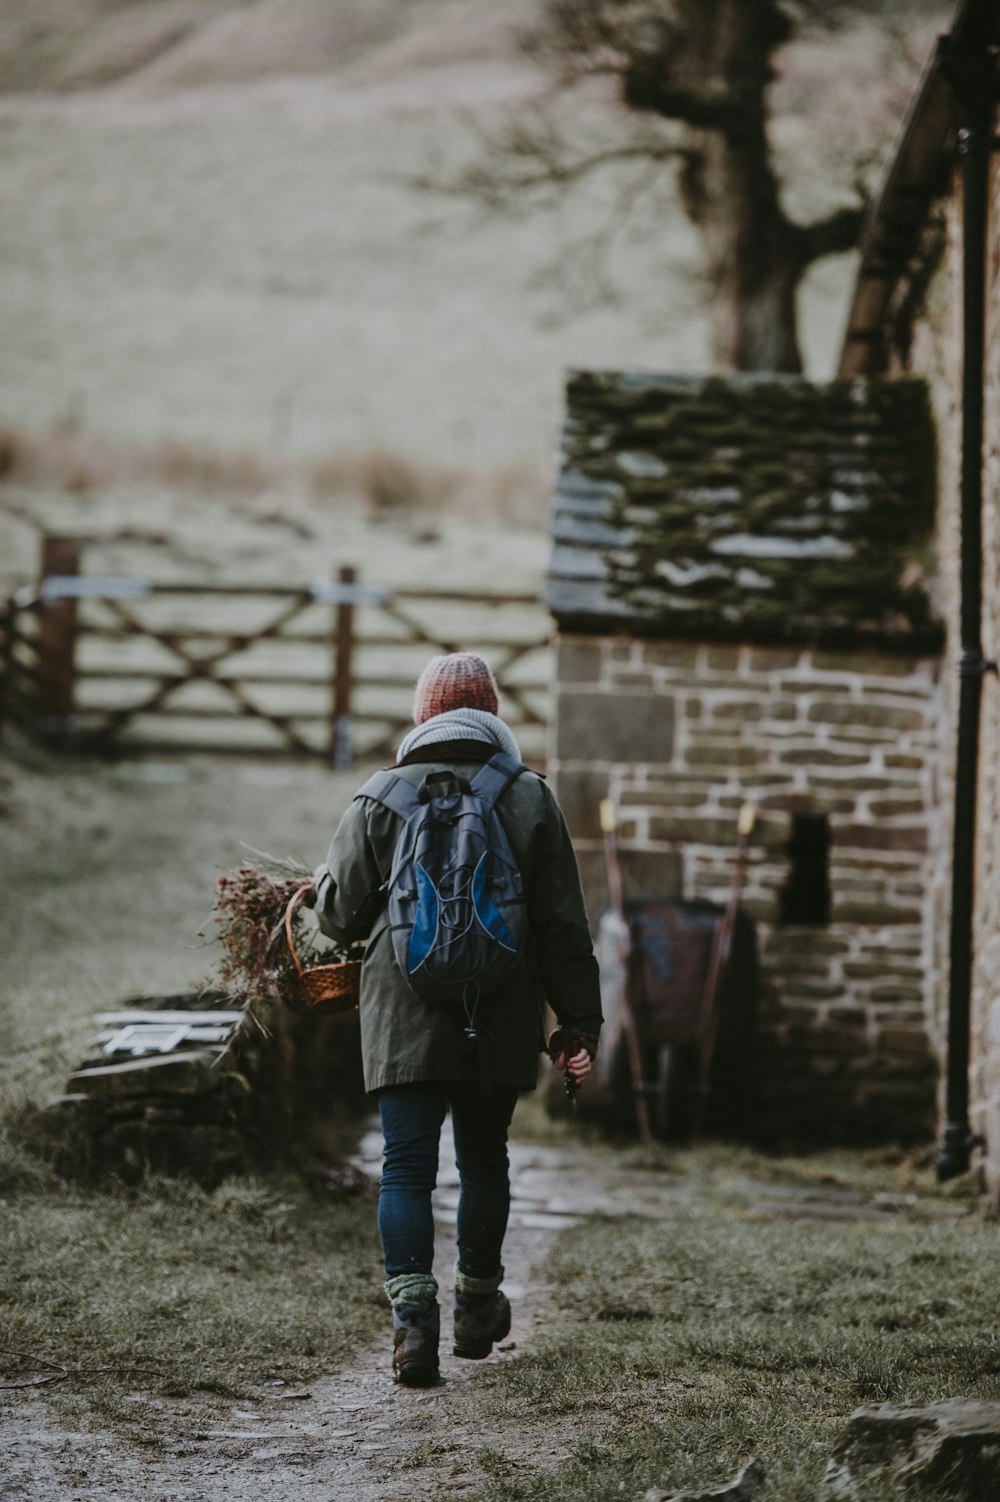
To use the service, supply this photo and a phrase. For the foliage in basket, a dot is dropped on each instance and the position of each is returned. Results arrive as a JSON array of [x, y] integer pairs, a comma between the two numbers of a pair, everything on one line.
[[250, 911]]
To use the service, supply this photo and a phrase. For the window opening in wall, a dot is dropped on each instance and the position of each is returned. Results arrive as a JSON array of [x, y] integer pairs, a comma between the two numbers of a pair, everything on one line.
[[805, 897]]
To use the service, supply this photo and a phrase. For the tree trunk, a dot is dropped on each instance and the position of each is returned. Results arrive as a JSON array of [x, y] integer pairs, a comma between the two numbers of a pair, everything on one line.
[[754, 254], [754, 261]]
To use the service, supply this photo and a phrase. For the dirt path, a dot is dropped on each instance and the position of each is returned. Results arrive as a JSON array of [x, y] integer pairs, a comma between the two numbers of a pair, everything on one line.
[[353, 1437]]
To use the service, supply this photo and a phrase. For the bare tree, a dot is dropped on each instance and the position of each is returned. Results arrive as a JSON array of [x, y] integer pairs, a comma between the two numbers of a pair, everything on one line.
[[694, 76]]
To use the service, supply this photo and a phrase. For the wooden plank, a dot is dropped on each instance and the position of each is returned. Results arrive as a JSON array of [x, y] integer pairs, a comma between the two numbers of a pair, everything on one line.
[[179, 712], [464, 597], [145, 675], [194, 634], [57, 636], [196, 1019], [192, 1035], [189, 1073], [339, 751], [250, 587]]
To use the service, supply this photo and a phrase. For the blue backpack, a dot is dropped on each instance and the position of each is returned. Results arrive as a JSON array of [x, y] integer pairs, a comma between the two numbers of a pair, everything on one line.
[[455, 902]]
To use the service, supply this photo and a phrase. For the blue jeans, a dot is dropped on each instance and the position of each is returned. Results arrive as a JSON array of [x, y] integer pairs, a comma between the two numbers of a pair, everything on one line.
[[412, 1117]]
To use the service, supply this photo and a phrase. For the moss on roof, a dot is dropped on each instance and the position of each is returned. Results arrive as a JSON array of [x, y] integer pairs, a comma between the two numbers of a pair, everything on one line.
[[747, 507]]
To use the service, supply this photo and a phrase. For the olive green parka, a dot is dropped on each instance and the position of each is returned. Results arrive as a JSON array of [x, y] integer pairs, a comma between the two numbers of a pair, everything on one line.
[[406, 1039]]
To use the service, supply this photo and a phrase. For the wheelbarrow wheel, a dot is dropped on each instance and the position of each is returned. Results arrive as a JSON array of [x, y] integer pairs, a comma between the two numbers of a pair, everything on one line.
[[673, 1099]]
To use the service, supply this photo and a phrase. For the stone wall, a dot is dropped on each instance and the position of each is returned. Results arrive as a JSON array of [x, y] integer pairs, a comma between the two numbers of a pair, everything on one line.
[[680, 734]]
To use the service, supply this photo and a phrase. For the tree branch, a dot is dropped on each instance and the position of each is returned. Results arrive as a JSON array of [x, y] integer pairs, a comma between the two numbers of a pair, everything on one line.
[[527, 161], [838, 232], [645, 88]]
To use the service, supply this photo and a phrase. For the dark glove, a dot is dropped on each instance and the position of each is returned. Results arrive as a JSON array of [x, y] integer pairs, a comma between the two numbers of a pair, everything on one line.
[[564, 1043]]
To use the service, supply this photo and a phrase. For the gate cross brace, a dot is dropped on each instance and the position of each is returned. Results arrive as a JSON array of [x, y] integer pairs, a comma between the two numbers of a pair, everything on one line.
[[204, 667]]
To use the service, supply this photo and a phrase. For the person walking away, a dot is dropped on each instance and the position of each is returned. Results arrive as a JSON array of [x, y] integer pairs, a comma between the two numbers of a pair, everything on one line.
[[475, 1053]]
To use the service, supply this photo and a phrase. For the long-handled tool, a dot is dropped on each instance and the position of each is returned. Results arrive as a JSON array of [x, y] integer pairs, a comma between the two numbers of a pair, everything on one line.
[[722, 943], [626, 1023]]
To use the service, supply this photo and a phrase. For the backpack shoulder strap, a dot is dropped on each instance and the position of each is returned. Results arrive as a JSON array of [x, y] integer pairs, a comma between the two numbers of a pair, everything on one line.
[[392, 791], [495, 777]]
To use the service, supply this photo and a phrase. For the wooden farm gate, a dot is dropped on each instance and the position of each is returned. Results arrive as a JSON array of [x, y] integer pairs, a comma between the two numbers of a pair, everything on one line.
[[321, 670]]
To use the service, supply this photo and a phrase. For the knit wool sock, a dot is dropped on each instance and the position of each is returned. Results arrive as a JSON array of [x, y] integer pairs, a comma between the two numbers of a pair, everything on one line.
[[411, 1290], [477, 1288]]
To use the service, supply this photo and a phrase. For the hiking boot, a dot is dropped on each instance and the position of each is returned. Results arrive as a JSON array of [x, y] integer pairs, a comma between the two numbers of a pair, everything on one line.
[[480, 1321], [415, 1346]]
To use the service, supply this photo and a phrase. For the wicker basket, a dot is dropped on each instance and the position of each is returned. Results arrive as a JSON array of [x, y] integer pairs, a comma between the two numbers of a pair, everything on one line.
[[325, 989]]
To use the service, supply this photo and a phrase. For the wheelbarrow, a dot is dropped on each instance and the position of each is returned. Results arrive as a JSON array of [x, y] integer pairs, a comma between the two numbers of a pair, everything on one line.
[[678, 988]]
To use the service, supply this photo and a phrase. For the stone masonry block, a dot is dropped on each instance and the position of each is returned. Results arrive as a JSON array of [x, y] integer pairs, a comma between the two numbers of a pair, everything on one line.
[[896, 808], [669, 655], [816, 756], [774, 659], [614, 727], [689, 829], [724, 754], [679, 797], [722, 659], [863, 782], [808, 803], [578, 660], [806, 940], [897, 992], [879, 837], [872, 969], [848, 1016], [806, 990], [875, 914], [738, 709], [871, 664], [911, 1040], [881, 716]]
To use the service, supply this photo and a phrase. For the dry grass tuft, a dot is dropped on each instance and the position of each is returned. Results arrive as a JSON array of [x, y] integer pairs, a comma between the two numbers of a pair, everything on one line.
[[389, 486]]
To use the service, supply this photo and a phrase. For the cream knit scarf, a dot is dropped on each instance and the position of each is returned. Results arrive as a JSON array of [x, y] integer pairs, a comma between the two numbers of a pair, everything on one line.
[[461, 725]]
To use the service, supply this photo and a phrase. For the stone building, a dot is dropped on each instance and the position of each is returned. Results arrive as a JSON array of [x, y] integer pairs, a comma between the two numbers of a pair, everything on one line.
[[927, 303], [737, 577]]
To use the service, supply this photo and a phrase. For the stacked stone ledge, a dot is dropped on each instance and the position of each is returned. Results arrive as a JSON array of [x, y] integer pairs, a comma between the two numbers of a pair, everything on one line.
[[680, 734]]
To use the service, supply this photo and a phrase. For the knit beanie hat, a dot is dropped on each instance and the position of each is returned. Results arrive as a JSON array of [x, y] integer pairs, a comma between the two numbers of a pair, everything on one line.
[[460, 681]]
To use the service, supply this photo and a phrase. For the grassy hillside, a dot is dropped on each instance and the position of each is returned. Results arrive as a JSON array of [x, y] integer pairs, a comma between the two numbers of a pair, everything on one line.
[[212, 232]]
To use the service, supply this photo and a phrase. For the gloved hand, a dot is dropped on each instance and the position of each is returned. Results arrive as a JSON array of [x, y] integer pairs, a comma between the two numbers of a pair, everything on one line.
[[572, 1054]]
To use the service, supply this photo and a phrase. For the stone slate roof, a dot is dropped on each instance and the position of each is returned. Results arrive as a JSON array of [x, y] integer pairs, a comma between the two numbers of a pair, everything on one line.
[[759, 508]]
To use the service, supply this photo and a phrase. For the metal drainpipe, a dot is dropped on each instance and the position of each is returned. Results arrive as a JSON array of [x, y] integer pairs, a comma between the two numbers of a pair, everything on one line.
[[966, 62]]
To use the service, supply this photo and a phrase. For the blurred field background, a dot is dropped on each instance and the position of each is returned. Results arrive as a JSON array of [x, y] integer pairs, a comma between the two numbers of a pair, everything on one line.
[[213, 233]]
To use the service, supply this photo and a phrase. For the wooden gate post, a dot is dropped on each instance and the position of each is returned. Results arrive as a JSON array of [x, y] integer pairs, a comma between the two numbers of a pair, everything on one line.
[[57, 629], [8, 625], [341, 752]]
